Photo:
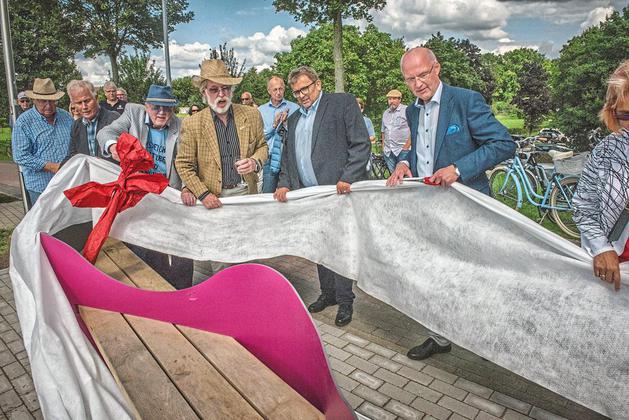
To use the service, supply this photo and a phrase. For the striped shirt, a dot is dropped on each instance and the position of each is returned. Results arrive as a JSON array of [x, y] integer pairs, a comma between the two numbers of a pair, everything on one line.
[[602, 193], [35, 142], [229, 147]]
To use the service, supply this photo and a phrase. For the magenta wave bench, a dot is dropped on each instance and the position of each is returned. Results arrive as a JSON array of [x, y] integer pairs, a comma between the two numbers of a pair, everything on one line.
[[252, 303]]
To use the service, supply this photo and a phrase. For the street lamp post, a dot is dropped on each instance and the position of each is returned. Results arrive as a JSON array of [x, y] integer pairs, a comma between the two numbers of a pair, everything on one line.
[[166, 51]]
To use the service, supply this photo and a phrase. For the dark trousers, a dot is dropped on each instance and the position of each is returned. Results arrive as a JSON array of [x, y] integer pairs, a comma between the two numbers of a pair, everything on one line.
[[176, 270], [335, 286]]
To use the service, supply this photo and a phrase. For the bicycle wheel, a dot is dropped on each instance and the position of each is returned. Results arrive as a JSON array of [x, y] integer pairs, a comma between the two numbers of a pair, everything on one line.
[[561, 201], [504, 189], [535, 182]]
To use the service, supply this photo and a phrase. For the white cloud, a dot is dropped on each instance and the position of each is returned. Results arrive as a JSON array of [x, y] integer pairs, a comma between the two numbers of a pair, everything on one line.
[[506, 47], [557, 12], [95, 70], [597, 16], [476, 19], [259, 49], [184, 58]]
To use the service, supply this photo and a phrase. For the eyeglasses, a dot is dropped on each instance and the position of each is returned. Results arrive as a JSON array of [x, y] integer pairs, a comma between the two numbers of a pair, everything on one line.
[[162, 108], [194, 110], [23, 100], [245, 99], [215, 90], [303, 91], [622, 115], [422, 77]]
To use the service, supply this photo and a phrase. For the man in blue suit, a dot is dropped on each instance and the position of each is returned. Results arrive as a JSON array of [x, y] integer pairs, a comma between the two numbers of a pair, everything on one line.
[[454, 137]]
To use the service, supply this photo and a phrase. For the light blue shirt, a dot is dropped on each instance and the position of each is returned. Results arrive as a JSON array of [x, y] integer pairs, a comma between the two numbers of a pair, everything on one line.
[[427, 133], [156, 146], [35, 142], [303, 144], [268, 111], [369, 124]]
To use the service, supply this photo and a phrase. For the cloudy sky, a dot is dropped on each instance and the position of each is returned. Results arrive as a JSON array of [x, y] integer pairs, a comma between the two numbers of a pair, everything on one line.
[[257, 32]]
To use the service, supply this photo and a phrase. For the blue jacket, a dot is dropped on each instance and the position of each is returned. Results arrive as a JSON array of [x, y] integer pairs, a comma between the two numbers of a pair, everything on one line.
[[468, 135]]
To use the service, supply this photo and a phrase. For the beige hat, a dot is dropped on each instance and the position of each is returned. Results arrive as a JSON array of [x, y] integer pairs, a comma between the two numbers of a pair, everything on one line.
[[44, 89], [394, 94], [217, 72]]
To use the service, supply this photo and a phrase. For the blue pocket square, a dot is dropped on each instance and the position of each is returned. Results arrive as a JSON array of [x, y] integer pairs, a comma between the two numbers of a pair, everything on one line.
[[453, 129]]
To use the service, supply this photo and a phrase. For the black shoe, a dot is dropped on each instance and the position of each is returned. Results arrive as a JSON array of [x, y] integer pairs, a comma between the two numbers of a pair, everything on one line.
[[344, 315], [321, 303], [427, 349]]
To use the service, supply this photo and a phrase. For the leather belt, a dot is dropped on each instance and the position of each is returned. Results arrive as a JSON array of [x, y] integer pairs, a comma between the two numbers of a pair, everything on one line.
[[231, 187]]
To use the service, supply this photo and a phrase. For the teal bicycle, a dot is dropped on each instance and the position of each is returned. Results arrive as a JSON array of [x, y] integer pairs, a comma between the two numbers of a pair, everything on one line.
[[551, 194]]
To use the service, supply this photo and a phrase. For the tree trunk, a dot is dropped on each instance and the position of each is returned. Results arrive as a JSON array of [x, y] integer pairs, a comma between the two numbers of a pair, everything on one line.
[[339, 82], [114, 69]]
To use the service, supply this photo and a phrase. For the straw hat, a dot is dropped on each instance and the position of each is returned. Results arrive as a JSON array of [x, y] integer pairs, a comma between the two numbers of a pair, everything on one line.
[[44, 89], [217, 72]]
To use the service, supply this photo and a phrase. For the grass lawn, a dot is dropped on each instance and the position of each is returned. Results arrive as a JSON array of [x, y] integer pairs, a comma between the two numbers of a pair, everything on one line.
[[5, 141], [512, 123], [5, 243]]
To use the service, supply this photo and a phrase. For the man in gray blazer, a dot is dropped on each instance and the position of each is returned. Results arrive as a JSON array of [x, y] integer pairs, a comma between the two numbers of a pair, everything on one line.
[[157, 128], [155, 125], [84, 130], [327, 144]]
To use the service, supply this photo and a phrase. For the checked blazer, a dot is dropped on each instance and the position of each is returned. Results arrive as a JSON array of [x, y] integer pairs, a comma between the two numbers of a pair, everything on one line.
[[199, 161]]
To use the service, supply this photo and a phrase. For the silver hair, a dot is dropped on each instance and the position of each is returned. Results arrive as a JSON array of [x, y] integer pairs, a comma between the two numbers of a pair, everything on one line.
[[75, 85], [109, 84], [302, 70], [124, 92]]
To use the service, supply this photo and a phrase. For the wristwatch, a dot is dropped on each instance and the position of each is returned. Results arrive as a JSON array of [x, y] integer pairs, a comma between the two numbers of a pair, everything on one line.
[[456, 169]]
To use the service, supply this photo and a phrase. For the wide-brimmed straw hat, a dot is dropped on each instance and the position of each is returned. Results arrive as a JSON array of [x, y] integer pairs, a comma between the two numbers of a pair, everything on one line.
[[215, 71], [44, 89]]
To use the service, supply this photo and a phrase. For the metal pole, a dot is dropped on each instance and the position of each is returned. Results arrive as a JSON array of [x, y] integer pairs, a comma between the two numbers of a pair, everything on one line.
[[166, 51], [9, 69]]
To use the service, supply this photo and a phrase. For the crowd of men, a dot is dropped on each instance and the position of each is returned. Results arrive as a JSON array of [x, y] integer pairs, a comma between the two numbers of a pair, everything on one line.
[[448, 134]]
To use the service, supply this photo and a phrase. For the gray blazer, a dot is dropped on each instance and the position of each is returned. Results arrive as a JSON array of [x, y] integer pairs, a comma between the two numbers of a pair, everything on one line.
[[78, 134], [340, 143], [133, 121]]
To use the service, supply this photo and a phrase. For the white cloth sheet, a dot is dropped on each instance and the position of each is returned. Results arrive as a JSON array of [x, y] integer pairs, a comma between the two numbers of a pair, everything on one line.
[[462, 264]]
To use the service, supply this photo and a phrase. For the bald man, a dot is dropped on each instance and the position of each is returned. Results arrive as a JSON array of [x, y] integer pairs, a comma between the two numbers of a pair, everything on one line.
[[454, 138]]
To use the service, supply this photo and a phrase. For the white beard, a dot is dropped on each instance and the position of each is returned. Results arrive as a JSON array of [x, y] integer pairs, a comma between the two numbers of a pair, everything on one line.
[[215, 108]]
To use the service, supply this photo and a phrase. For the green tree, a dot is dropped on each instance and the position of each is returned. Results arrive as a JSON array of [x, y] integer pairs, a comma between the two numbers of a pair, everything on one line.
[[533, 97], [186, 92], [137, 74], [111, 26], [583, 67], [325, 11], [236, 69], [371, 60], [508, 69], [461, 64], [43, 46], [254, 81]]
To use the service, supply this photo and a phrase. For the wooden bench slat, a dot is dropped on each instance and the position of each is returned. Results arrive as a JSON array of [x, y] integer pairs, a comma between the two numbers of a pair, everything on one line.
[[205, 389], [266, 391], [262, 388], [149, 389]]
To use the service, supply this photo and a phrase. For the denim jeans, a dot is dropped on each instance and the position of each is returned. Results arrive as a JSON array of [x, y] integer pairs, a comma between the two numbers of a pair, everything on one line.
[[391, 160], [269, 180]]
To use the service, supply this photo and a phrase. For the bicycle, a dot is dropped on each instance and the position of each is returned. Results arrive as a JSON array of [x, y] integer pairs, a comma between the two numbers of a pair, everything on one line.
[[512, 183], [378, 167]]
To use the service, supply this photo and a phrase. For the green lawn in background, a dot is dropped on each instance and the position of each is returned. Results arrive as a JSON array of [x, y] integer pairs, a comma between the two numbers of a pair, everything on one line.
[[511, 122], [5, 134]]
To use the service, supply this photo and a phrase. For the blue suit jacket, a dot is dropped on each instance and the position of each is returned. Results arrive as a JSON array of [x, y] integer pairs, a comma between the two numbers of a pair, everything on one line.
[[468, 135]]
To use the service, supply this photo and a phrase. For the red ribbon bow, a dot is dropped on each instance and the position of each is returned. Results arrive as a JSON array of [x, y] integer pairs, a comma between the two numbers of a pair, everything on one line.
[[130, 187]]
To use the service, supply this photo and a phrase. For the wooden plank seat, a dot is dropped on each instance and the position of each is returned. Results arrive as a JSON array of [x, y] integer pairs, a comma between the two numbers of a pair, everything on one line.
[[171, 371]]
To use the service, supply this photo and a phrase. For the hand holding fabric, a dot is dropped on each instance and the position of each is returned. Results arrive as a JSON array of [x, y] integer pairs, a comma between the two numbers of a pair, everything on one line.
[[211, 201], [401, 171], [280, 194], [343, 187], [445, 176], [607, 268], [187, 197]]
